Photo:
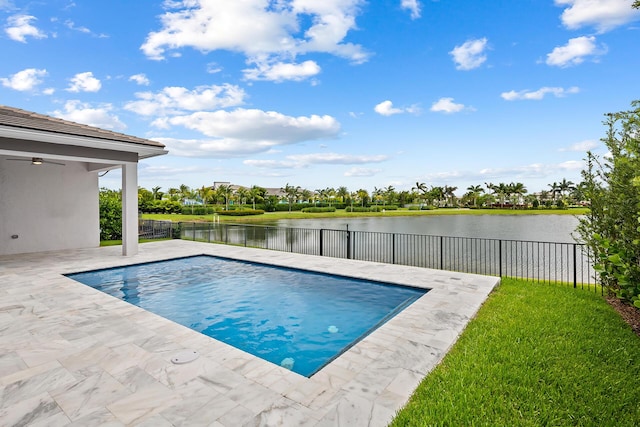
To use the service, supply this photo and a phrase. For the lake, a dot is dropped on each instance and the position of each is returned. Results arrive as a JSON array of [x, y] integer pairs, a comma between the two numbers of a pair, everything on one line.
[[543, 228]]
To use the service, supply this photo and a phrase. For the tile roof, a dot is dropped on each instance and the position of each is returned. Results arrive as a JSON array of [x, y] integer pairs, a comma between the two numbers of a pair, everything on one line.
[[17, 118]]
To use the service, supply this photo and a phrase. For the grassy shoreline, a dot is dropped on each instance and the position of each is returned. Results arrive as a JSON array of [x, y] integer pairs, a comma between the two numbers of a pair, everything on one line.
[[340, 213]]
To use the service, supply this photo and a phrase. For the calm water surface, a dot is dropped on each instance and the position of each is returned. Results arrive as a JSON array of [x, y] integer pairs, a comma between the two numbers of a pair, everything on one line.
[[543, 228]]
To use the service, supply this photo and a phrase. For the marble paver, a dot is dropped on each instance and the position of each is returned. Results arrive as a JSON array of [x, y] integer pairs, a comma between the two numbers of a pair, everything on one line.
[[71, 355]]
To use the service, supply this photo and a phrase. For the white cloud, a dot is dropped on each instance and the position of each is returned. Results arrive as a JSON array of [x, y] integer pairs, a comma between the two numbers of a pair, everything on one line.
[[72, 26], [24, 80], [213, 68], [539, 94], [413, 6], [19, 27], [574, 52], [84, 82], [337, 159], [140, 79], [281, 71], [305, 160], [232, 25], [175, 100], [242, 132], [604, 15], [99, 116], [582, 146], [386, 108], [362, 172], [446, 105], [470, 54]]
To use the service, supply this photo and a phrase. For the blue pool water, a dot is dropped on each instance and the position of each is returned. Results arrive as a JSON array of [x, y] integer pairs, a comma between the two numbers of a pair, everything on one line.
[[297, 319]]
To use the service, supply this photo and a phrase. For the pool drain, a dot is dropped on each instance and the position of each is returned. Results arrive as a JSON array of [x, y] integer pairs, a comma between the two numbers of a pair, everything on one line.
[[185, 357]]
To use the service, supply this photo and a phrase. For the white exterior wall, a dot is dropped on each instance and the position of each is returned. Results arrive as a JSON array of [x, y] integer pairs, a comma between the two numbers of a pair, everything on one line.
[[49, 207]]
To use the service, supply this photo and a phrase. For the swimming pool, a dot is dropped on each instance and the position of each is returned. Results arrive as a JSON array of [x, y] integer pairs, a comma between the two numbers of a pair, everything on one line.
[[298, 319]]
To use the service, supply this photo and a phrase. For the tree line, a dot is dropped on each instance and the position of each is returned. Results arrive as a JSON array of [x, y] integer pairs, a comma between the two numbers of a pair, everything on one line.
[[560, 194]]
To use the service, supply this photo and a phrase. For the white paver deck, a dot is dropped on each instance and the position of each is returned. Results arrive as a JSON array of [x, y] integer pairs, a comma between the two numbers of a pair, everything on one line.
[[71, 355]]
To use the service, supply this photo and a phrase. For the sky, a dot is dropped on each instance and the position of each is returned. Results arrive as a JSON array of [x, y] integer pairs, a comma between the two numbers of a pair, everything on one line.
[[331, 93]]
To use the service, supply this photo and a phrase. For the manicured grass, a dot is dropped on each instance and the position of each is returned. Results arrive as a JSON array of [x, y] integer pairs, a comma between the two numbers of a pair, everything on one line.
[[535, 355], [119, 242], [340, 213]]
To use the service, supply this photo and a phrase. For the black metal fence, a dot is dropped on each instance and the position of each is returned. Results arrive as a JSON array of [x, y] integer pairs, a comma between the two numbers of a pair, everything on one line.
[[529, 260]]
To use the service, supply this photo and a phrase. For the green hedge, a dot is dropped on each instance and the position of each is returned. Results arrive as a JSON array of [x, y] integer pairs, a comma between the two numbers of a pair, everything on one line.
[[244, 212], [319, 210]]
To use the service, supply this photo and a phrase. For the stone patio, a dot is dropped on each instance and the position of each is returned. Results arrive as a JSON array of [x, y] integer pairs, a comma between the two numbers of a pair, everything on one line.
[[71, 355]]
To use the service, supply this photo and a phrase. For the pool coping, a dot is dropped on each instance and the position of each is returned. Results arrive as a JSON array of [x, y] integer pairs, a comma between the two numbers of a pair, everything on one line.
[[90, 358]]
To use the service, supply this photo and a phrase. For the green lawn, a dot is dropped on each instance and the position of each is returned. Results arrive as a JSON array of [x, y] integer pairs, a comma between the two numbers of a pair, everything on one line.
[[536, 355], [340, 213]]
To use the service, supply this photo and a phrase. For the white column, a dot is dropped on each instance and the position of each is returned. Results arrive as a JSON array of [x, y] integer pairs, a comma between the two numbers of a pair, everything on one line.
[[129, 209]]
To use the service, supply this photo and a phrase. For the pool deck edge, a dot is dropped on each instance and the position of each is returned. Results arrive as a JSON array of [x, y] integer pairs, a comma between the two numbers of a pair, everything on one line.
[[71, 354]]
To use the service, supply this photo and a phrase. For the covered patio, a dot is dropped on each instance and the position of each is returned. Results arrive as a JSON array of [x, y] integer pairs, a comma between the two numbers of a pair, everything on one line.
[[49, 182]]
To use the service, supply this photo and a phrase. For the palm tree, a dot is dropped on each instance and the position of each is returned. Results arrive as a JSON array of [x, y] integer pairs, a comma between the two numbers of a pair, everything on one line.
[[185, 192], [437, 194], [449, 195], [342, 193], [157, 194], [519, 190], [242, 194], [258, 193], [564, 187], [225, 192], [363, 195], [389, 195], [475, 191], [291, 193], [376, 194], [555, 189], [306, 195], [205, 194]]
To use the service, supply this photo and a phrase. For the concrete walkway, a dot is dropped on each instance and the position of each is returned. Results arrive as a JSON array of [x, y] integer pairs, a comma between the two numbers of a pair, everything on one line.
[[71, 355]]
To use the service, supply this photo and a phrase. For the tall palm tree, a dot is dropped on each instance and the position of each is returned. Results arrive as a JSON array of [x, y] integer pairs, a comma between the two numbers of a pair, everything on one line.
[[363, 196], [256, 193], [342, 193], [242, 194], [564, 187], [555, 189], [224, 191], [475, 191], [519, 190], [291, 193], [449, 195], [157, 194], [389, 195], [205, 193], [185, 192]]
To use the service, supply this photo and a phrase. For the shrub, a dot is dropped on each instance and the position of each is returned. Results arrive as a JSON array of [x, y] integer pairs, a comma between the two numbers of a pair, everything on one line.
[[245, 212], [318, 210]]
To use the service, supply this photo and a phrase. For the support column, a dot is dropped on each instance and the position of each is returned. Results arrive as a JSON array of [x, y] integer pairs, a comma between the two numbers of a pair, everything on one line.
[[129, 209]]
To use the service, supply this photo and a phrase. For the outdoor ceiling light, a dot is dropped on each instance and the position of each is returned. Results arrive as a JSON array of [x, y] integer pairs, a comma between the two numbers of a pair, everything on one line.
[[36, 161]]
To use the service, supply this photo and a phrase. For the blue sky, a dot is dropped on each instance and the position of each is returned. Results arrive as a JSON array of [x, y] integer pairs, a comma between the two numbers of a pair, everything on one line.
[[331, 93]]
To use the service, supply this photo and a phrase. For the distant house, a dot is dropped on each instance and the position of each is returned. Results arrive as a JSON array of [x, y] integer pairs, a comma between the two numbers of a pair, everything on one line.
[[49, 182]]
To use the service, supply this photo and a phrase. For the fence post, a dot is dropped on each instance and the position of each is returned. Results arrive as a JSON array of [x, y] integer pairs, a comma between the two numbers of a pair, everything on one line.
[[500, 258], [245, 235], [393, 249], [575, 267], [441, 252], [321, 241], [348, 243]]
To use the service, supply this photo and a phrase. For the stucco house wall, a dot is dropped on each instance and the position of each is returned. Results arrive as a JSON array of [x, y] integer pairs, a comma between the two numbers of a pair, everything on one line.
[[49, 207], [54, 205]]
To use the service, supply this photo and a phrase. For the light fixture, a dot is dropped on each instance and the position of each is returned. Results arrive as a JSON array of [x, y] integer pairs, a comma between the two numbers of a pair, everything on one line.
[[36, 161]]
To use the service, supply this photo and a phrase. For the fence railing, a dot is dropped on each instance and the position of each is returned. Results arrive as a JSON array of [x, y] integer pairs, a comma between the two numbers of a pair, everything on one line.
[[529, 260]]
